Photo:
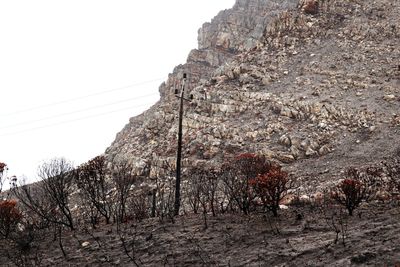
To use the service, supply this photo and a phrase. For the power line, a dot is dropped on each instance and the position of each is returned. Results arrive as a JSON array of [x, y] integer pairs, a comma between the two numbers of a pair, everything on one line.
[[69, 121], [75, 111], [80, 97]]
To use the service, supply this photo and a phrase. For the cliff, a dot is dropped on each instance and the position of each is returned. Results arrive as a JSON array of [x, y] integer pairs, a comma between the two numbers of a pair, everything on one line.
[[317, 92]]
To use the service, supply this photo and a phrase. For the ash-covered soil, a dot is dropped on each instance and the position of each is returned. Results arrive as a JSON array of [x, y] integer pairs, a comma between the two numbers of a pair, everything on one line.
[[301, 236]]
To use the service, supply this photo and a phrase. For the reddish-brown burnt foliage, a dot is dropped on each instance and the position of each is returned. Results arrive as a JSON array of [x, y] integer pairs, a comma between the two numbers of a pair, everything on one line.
[[236, 175], [10, 216], [350, 193], [272, 187], [310, 7]]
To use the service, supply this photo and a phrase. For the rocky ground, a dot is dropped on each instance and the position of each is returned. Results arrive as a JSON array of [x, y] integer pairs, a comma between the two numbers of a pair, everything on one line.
[[300, 236], [317, 93]]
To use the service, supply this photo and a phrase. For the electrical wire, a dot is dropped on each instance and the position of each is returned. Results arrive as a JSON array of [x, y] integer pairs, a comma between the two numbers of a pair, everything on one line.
[[75, 111], [74, 120], [81, 97]]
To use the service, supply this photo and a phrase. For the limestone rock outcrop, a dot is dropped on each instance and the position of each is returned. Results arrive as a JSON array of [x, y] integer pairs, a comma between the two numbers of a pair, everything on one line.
[[311, 91]]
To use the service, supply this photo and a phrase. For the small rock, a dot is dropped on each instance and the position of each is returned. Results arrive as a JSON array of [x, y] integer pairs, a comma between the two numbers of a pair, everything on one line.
[[266, 80], [230, 74], [286, 112], [283, 207], [310, 152], [285, 140], [389, 97], [85, 244], [323, 150], [295, 152], [322, 125], [237, 71], [285, 158]]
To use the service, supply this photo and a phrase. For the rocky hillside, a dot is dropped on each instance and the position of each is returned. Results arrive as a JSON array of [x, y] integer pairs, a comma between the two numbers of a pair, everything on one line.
[[315, 89], [314, 86]]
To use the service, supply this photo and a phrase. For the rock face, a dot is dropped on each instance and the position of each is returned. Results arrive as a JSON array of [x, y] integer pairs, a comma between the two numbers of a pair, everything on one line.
[[271, 77]]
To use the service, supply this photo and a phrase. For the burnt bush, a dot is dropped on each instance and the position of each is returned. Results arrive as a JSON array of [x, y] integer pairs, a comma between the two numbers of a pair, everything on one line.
[[91, 179], [236, 176], [10, 217], [49, 199], [126, 179], [354, 189], [393, 171], [200, 190], [272, 187]]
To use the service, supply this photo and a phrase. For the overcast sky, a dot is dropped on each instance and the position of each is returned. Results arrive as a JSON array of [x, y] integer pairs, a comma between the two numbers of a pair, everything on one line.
[[73, 72]]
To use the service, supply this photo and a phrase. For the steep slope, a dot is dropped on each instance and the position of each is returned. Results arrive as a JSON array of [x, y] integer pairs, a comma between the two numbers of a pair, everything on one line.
[[316, 92]]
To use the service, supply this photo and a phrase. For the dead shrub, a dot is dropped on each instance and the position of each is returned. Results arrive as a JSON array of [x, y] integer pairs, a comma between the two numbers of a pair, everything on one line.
[[393, 171], [23, 246], [91, 179], [349, 193], [353, 190], [10, 216], [201, 190], [124, 177], [335, 218], [272, 187], [236, 176], [140, 204], [359, 186], [50, 198]]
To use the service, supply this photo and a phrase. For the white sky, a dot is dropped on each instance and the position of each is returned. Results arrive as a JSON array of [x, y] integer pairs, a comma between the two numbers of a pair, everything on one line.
[[52, 51]]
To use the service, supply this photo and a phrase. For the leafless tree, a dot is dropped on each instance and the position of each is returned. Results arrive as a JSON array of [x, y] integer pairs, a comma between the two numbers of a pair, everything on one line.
[[237, 174], [57, 178], [129, 240], [335, 218], [49, 198], [164, 191], [36, 203], [139, 203], [91, 179], [191, 189], [201, 190], [123, 178]]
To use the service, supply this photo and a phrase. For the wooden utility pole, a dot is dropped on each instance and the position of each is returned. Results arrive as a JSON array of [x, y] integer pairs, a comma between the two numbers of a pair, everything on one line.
[[179, 151]]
